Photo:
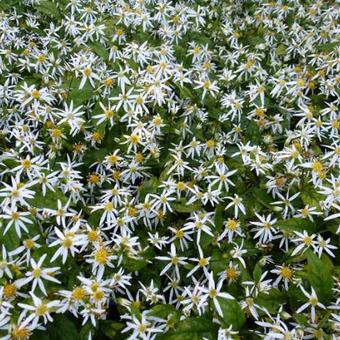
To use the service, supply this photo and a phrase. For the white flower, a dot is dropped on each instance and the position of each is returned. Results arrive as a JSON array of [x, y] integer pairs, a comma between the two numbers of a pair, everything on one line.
[[73, 117], [40, 309], [213, 292], [236, 202], [38, 274], [18, 219], [145, 328], [174, 261], [304, 241], [68, 242], [266, 228], [323, 245], [312, 303]]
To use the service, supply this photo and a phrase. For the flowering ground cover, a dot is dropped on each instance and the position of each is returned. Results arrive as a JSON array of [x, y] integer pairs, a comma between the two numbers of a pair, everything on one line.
[[169, 169]]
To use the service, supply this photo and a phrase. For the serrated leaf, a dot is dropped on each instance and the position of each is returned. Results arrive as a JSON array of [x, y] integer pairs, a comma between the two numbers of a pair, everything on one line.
[[183, 207], [62, 328], [162, 311], [263, 197], [111, 328], [79, 96], [149, 187], [192, 329], [328, 47], [320, 277], [233, 314], [100, 50], [296, 224], [50, 200], [271, 301], [48, 8], [133, 265], [310, 196], [11, 239], [219, 217], [257, 272]]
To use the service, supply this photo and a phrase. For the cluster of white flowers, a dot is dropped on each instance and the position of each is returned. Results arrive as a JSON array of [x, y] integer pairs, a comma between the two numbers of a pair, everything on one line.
[[169, 169]]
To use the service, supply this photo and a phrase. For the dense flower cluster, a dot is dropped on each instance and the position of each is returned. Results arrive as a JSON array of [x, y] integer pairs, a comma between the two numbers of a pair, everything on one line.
[[169, 169]]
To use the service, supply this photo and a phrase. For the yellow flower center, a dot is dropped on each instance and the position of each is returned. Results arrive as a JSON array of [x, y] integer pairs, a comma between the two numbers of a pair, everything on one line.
[[300, 82], [22, 333], [313, 301], [112, 159], [211, 144], [94, 178], [92, 235], [307, 240], [231, 225], [98, 295], [29, 244], [78, 293], [142, 328], [26, 163], [9, 290], [174, 260], [67, 242], [56, 133], [109, 206], [139, 157], [317, 167], [87, 71], [15, 216], [36, 94], [97, 136], [203, 262], [231, 273], [41, 309], [179, 233], [180, 186], [101, 256], [134, 139], [286, 272]]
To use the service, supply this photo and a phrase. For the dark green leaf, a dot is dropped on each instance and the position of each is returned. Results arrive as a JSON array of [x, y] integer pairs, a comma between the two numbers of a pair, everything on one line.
[[320, 277], [232, 314], [192, 329], [296, 224]]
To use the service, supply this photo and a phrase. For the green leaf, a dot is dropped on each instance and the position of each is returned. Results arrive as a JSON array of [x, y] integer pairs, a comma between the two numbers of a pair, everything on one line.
[[263, 197], [252, 132], [11, 239], [192, 329], [149, 187], [301, 319], [296, 224], [310, 196], [163, 311], [271, 301], [232, 314], [95, 156], [100, 50], [133, 265], [320, 277], [328, 47], [111, 329], [257, 272], [49, 200], [219, 217], [281, 50], [48, 8], [79, 96], [62, 328], [181, 206]]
